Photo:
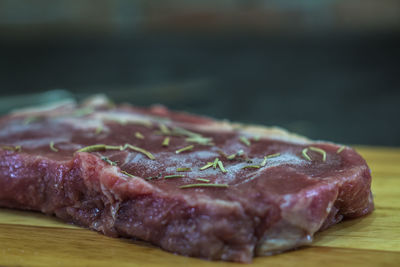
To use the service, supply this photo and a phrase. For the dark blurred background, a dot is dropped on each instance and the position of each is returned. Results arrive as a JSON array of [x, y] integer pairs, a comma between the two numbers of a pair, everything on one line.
[[328, 69]]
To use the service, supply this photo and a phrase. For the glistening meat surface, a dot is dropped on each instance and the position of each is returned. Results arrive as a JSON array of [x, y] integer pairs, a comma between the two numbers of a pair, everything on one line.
[[189, 184]]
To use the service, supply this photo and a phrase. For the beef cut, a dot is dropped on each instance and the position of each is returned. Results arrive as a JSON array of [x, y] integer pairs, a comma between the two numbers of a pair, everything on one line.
[[188, 184]]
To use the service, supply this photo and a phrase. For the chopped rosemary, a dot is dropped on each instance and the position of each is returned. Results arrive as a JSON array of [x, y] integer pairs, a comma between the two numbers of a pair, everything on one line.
[[191, 136], [208, 165], [264, 162], [124, 122], [128, 174], [215, 163], [12, 148], [202, 180], [183, 169], [166, 141], [340, 149], [203, 185], [231, 157], [305, 155], [174, 176], [99, 147], [112, 163], [52, 147], [102, 147], [251, 167], [164, 129], [141, 150], [273, 155], [138, 135], [184, 149], [221, 166], [185, 132], [319, 150], [245, 141], [99, 129], [200, 140]]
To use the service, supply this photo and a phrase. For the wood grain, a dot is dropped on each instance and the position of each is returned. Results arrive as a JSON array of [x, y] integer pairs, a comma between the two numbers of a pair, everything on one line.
[[33, 239]]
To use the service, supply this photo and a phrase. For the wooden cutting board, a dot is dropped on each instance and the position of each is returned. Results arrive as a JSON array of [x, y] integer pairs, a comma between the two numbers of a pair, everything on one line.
[[32, 239]]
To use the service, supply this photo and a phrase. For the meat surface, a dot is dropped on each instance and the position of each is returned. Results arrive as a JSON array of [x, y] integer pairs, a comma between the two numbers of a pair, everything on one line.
[[122, 170]]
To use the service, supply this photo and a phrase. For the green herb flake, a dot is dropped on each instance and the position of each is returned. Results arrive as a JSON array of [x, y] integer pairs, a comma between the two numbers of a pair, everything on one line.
[[12, 148], [208, 165], [264, 162], [256, 138], [112, 163], [231, 157], [200, 140], [30, 119], [52, 147], [240, 152], [202, 180], [138, 135], [244, 140], [184, 149], [181, 131], [215, 163], [340, 149], [128, 174], [174, 176], [183, 169], [305, 155], [164, 129], [166, 141], [273, 155], [102, 147], [93, 148], [221, 166], [99, 130], [204, 185], [140, 150], [319, 150], [251, 167]]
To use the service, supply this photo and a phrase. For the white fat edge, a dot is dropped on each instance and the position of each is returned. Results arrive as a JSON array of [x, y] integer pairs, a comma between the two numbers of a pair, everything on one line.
[[95, 101], [110, 171], [127, 117], [210, 203], [68, 104], [274, 133], [287, 200], [329, 207], [250, 131], [88, 125], [293, 208]]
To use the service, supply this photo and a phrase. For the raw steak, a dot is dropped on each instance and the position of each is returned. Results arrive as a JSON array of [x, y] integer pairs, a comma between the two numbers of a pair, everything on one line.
[[189, 184]]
